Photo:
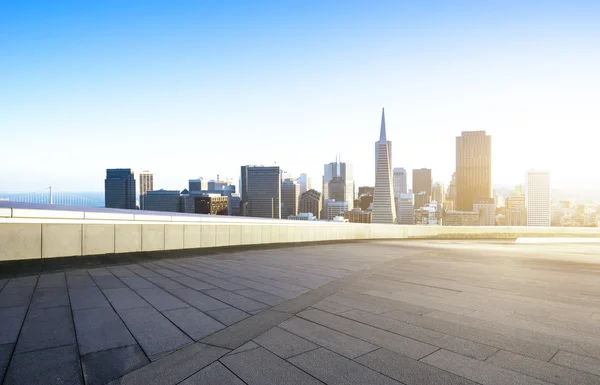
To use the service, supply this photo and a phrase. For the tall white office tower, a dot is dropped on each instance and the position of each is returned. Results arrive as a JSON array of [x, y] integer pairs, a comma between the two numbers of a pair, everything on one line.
[[305, 183], [400, 186], [538, 198], [384, 208]]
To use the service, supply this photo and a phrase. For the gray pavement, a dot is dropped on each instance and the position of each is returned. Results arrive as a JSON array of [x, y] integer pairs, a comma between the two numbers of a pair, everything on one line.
[[403, 312]]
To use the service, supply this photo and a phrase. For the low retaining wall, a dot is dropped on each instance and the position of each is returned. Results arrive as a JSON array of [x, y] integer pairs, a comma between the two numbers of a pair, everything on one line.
[[34, 234]]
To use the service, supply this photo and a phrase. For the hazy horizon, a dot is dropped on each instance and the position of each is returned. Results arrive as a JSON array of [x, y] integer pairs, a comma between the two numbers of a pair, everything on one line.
[[194, 89]]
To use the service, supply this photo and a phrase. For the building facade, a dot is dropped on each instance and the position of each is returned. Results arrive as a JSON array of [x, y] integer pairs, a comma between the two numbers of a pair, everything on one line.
[[213, 204], [334, 209], [473, 168], [422, 182], [438, 193], [516, 211], [406, 209], [119, 189], [199, 184], [305, 183], [538, 198], [487, 211], [290, 191], [384, 209], [261, 191], [461, 218], [146, 184], [400, 181], [358, 216], [342, 170], [163, 200], [310, 202]]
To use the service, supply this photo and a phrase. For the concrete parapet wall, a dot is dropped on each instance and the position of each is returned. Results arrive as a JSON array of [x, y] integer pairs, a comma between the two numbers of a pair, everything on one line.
[[34, 234]]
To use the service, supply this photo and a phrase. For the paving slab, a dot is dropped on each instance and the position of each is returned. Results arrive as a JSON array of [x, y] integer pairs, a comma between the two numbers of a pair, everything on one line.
[[374, 335], [16, 296], [22, 282], [155, 333], [428, 336], [124, 298], [213, 374], [161, 300], [247, 346], [236, 300], [334, 369], [283, 343], [193, 283], [261, 296], [79, 280], [6, 352], [11, 319], [104, 366], [52, 280], [478, 371], [198, 300], [46, 328], [409, 371], [165, 283], [576, 361], [261, 367], [175, 367], [108, 282], [87, 298], [331, 307], [341, 343], [136, 282], [193, 322], [49, 297], [546, 371], [100, 329], [58, 366]]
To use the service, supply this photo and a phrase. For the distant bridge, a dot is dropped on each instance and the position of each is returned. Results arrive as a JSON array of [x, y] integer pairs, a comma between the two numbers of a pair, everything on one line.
[[47, 196]]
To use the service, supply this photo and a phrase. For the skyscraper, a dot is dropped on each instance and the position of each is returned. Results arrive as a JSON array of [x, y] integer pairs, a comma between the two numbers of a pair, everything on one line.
[[343, 171], [473, 168], [310, 202], [406, 209], [146, 184], [400, 186], [538, 198], [438, 193], [384, 209], [421, 182], [261, 191], [119, 189], [290, 191], [305, 183]]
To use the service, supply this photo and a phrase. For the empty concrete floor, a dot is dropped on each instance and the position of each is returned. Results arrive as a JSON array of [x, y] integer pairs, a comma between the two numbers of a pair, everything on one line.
[[412, 312]]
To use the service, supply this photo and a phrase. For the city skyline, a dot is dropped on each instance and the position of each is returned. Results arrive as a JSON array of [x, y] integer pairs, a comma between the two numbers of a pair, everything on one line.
[[113, 78]]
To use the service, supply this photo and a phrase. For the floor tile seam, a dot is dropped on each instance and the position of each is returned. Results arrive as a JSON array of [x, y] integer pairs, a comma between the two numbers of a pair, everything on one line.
[[285, 360], [258, 282], [47, 348], [388, 278], [71, 312], [351, 360], [362, 339], [159, 312], [570, 367], [277, 270], [226, 368], [341, 314], [202, 267], [187, 275], [263, 292], [20, 330], [125, 324], [203, 311], [268, 307]]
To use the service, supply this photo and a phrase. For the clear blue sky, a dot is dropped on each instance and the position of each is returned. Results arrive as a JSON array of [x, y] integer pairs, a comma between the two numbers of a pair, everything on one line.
[[198, 88]]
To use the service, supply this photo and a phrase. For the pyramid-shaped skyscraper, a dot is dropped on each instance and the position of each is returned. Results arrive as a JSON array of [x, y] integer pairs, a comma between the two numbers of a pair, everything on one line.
[[384, 209]]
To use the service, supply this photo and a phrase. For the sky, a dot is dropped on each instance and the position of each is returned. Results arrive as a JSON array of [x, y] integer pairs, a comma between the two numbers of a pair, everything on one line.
[[198, 88]]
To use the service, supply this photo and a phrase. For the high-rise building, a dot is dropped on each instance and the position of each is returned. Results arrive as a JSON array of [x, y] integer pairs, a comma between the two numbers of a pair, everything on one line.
[[422, 182], [310, 202], [163, 200], [366, 190], [337, 189], [261, 191], [421, 199], [146, 184], [289, 198], [473, 168], [538, 198], [516, 212], [438, 193], [358, 216], [400, 184], [305, 183], [334, 209], [199, 184], [119, 189], [384, 209], [213, 204], [341, 170], [406, 209], [487, 211], [233, 206]]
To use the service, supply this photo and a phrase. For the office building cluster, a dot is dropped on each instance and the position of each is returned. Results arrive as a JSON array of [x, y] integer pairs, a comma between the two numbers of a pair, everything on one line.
[[270, 192]]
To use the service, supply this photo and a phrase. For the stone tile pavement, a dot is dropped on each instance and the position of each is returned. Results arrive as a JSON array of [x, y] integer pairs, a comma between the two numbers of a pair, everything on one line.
[[412, 312]]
